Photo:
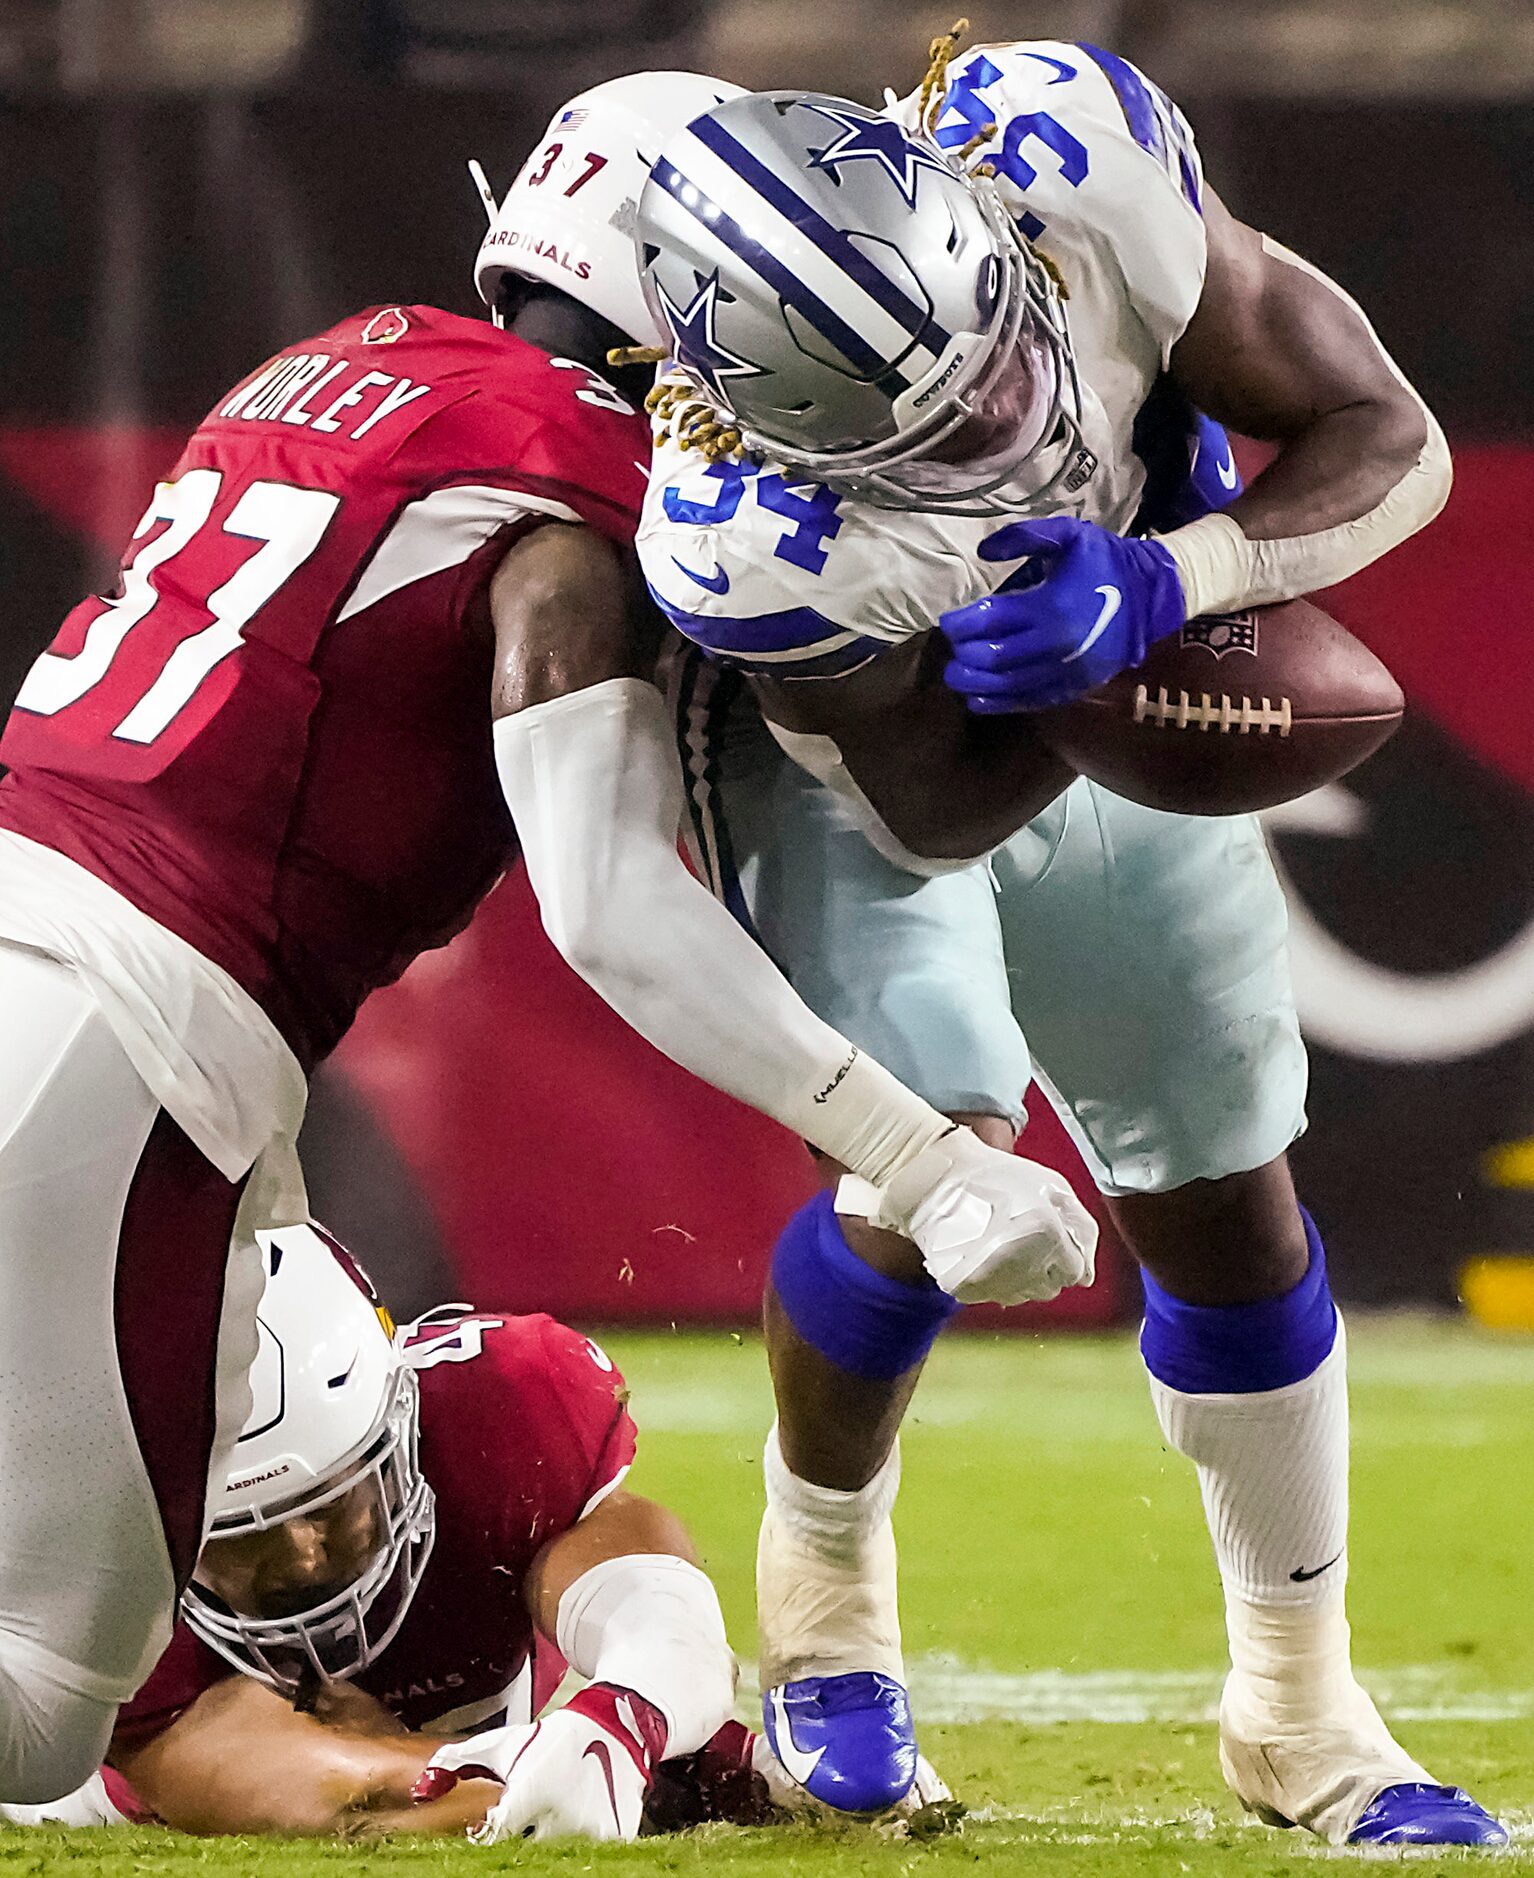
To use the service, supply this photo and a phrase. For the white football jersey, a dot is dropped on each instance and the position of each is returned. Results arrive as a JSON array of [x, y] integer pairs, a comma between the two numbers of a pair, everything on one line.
[[1100, 170]]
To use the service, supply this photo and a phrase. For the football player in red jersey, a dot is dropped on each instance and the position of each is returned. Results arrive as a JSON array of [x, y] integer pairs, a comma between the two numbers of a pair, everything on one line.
[[416, 1532], [251, 785]]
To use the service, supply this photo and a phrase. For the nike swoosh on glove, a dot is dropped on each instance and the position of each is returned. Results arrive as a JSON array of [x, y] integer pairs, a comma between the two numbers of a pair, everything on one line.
[[1087, 605], [581, 1772]]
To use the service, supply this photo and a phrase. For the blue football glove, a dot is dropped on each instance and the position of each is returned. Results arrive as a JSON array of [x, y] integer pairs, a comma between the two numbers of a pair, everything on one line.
[[1088, 605], [1213, 481]]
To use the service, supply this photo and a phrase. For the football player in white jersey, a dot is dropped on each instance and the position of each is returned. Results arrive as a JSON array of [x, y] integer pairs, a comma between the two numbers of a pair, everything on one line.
[[942, 365]]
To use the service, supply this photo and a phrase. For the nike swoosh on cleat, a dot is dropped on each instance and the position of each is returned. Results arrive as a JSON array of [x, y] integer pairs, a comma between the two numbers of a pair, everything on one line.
[[1112, 601], [717, 582], [796, 1763], [1304, 1577]]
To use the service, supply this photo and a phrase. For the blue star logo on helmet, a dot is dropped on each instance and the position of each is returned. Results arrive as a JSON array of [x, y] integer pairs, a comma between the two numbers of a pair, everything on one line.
[[697, 346], [875, 139]]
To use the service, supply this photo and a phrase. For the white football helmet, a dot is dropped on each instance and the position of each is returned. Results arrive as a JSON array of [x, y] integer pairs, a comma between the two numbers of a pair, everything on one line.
[[333, 1418], [568, 219]]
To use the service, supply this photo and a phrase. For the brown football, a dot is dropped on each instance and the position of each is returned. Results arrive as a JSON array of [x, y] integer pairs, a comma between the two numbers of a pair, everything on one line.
[[1234, 713]]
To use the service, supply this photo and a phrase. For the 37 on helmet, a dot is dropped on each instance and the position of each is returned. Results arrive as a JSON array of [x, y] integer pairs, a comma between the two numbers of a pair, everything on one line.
[[568, 218], [324, 1523], [861, 306]]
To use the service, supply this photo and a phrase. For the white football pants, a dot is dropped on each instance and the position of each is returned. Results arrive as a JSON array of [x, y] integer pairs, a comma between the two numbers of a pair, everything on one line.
[[122, 1371]]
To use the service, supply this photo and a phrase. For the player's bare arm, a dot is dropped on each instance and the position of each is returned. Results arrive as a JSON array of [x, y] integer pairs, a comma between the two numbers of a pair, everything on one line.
[[242, 1759], [1278, 352], [587, 759], [624, 1524], [566, 616], [630, 1611], [944, 784]]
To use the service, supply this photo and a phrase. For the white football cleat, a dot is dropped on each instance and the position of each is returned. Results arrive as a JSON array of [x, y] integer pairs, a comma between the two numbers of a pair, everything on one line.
[[1342, 1776]]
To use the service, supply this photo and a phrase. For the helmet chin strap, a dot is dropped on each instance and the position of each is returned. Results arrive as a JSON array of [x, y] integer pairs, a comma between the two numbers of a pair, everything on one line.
[[482, 184], [487, 200]]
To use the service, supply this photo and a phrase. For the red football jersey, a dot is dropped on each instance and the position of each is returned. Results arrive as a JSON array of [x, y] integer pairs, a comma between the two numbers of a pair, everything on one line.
[[275, 739], [523, 1424]]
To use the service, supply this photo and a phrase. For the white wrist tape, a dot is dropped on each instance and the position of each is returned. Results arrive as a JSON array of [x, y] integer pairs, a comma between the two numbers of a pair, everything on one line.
[[1222, 570], [651, 1622], [820, 757], [594, 785]]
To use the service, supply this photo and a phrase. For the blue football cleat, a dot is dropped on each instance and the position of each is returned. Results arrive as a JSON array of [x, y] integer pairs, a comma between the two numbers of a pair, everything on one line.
[[847, 1740], [1415, 1813]]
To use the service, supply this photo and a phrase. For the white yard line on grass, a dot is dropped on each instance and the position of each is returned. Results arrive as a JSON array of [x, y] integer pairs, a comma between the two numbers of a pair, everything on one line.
[[1067, 1826], [943, 1689]]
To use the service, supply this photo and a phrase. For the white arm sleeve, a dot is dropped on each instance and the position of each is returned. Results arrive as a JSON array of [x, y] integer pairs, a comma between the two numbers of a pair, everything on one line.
[[1222, 570], [595, 789], [650, 1622]]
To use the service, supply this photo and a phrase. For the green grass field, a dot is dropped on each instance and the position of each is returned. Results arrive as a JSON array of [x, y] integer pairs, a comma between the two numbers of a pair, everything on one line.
[[1062, 1613]]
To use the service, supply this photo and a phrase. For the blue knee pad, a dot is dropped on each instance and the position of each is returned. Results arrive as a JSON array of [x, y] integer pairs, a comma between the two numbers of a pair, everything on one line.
[[1241, 1349], [865, 1323]]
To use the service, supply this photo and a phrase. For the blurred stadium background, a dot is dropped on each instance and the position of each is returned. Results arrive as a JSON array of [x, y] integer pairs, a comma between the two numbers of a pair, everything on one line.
[[187, 184]]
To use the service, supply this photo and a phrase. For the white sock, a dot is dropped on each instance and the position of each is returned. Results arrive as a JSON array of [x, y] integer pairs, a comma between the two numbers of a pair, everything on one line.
[[826, 1582], [827, 1521], [1300, 1741], [1273, 1472]]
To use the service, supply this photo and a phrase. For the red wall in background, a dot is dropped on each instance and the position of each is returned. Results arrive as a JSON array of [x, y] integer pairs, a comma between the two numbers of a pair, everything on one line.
[[573, 1169]]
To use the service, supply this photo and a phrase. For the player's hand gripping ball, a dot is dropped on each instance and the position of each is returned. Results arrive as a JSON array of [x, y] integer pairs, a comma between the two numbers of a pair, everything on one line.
[[582, 1772], [1086, 605]]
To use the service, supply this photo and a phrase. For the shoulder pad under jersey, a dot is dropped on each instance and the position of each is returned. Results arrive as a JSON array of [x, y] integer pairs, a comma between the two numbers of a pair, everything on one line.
[[1095, 162], [787, 577], [547, 428]]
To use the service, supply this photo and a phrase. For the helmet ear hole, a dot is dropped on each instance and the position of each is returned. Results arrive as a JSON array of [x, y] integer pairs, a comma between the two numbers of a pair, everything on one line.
[[988, 288]]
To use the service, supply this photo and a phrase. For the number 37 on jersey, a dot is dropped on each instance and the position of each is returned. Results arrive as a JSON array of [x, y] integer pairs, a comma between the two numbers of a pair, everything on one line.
[[154, 679]]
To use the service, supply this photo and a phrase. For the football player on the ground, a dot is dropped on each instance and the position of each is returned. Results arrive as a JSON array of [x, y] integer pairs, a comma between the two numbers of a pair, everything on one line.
[[416, 1534], [252, 785], [1007, 300]]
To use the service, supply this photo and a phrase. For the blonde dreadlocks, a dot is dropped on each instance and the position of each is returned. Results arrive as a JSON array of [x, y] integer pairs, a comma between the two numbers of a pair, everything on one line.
[[934, 87], [681, 411]]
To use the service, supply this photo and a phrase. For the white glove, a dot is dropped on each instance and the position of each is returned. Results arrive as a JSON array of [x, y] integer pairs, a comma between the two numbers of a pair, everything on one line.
[[992, 1227], [581, 1772]]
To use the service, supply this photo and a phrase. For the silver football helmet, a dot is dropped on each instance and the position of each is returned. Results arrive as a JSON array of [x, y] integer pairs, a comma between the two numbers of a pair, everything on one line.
[[862, 307]]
